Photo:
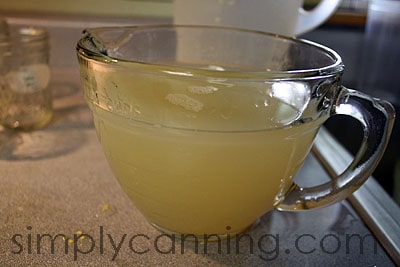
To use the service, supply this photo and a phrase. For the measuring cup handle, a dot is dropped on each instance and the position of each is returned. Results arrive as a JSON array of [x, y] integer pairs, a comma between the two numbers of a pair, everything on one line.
[[309, 20], [377, 119]]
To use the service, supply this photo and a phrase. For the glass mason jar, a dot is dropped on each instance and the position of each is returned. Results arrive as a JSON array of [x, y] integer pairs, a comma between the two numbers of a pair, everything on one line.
[[25, 95]]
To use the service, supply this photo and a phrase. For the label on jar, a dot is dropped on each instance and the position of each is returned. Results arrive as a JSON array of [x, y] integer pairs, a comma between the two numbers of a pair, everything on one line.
[[29, 79]]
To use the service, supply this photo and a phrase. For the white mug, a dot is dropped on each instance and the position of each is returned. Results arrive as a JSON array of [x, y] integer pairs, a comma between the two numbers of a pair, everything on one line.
[[285, 17]]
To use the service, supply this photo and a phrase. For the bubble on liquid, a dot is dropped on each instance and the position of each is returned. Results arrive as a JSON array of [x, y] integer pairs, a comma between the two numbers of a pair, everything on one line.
[[202, 90], [215, 67], [185, 101]]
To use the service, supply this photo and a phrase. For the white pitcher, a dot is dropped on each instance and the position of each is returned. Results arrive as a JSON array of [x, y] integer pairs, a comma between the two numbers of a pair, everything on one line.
[[285, 17]]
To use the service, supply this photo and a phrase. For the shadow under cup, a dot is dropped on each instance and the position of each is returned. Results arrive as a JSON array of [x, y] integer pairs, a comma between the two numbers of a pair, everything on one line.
[[206, 127]]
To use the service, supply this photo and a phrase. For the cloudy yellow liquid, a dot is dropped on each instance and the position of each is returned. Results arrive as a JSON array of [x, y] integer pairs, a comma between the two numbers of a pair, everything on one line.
[[198, 158]]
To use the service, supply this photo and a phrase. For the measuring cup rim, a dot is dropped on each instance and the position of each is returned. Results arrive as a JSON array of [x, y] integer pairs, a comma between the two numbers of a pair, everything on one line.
[[93, 53]]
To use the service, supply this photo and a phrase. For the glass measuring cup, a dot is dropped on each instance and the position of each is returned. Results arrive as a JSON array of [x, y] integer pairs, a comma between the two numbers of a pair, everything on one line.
[[206, 127]]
